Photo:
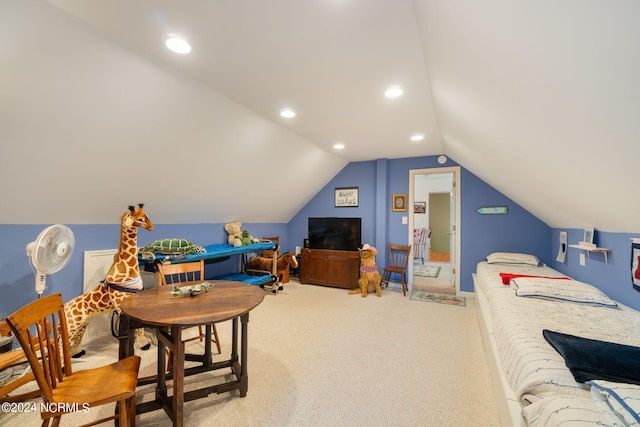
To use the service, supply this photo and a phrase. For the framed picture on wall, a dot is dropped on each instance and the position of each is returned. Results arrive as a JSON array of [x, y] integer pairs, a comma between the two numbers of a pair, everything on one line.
[[419, 207], [399, 202], [346, 197], [588, 235]]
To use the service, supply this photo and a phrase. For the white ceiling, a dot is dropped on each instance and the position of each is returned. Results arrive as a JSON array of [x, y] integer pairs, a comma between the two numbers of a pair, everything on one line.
[[538, 98], [329, 60]]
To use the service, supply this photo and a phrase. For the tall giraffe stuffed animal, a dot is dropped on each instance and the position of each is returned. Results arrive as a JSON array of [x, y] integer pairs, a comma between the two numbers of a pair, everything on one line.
[[123, 279]]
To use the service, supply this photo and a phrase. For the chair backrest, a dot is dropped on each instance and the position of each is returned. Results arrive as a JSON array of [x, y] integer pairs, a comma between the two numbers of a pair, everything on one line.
[[399, 255], [268, 253], [41, 330], [183, 273]]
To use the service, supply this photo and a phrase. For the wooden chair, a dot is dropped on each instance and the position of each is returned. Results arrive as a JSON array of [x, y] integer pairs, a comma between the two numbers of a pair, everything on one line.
[[184, 274], [10, 360], [41, 330], [397, 265]]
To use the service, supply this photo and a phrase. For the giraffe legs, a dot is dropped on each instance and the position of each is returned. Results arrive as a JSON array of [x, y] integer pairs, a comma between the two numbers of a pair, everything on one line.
[[80, 310]]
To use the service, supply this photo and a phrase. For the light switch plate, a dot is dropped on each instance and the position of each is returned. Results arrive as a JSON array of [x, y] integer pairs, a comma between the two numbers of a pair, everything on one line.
[[583, 262], [405, 220]]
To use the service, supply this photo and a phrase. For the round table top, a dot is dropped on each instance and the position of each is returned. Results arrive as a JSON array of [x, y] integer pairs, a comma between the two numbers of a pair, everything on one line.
[[225, 300]]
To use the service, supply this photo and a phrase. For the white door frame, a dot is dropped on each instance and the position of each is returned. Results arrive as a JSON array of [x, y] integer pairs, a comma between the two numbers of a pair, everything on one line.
[[455, 224]]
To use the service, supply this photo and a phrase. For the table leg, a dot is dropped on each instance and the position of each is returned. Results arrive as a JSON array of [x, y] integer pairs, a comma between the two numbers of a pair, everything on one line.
[[125, 337], [234, 339], [207, 346], [178, 376], [125, 343], [244, 377], [161, 389]]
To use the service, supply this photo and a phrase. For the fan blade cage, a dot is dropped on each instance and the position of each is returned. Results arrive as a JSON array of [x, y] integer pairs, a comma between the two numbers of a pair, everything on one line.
[[53, 249]]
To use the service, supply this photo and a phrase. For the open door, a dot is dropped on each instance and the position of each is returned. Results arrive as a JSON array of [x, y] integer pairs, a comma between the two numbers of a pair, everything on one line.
[[434, 199]]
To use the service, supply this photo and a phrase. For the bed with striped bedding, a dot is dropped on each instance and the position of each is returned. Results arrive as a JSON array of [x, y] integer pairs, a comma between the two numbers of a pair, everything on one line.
[[534, 372]]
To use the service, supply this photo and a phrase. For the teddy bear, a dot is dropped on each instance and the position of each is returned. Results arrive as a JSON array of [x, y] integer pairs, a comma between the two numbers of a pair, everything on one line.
[[237, 236], [369, 276]]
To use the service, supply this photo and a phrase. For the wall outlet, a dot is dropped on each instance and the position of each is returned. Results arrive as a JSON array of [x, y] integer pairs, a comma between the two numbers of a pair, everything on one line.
[[583, 262]]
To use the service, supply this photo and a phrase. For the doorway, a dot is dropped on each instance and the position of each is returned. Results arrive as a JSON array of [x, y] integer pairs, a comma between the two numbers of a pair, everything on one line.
[[439, 223], [434, 197]]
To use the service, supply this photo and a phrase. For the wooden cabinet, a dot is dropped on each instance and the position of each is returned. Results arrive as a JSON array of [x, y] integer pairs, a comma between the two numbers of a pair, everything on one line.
[[339, 269]]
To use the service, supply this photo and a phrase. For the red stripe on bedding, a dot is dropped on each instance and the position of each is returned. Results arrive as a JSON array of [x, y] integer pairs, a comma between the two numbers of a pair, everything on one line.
[[506, 277]]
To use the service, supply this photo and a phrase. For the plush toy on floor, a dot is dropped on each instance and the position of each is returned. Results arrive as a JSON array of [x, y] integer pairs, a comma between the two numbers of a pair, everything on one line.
[[123, 279], [369, 276], [237, 236], [283, 264]]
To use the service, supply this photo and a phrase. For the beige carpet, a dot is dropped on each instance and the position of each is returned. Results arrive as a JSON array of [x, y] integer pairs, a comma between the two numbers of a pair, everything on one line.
[[320, 357]]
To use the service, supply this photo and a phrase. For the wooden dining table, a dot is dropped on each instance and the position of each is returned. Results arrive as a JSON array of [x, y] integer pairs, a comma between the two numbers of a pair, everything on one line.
[[168, 314]]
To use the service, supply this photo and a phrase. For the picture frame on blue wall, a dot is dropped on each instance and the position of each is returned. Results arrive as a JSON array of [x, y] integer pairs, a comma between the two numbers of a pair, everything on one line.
[[588, 235], [346, 197], [399, 202]]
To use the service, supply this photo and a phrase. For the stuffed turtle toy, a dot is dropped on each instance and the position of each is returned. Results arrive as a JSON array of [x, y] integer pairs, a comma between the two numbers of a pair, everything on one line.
[[173, 246]]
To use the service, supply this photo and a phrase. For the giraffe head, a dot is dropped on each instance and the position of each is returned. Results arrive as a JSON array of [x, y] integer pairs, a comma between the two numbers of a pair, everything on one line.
[[136, 217]]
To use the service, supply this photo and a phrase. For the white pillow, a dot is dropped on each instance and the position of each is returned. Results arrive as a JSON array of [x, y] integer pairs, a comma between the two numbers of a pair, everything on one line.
[[512, 258], [560, 290], [623, 399]]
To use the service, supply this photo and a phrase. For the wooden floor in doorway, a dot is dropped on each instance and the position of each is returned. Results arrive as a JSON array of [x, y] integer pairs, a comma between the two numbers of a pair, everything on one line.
[[439, 257]]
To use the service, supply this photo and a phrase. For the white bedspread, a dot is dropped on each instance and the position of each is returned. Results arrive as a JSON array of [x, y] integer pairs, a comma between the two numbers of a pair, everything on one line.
[[532, 367]]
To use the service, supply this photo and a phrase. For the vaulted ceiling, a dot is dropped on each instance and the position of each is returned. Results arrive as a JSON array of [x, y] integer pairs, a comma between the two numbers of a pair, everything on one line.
[[541, 99]]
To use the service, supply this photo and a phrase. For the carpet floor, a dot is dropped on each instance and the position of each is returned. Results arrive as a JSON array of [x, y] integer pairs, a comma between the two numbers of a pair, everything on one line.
[[321, 357]]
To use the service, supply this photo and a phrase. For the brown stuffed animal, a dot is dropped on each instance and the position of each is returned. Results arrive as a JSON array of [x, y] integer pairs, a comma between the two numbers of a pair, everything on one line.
[[369, 276], [266, 264]]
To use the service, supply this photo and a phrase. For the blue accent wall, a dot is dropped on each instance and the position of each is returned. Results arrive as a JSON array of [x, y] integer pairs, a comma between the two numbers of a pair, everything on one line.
[[612, 277], [17, 278], [519, 231]]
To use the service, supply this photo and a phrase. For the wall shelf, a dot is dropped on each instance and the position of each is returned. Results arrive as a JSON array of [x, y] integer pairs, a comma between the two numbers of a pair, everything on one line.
[[603, 251]]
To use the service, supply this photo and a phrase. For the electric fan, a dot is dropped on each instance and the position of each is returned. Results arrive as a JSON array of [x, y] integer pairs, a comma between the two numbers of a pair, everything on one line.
[[50, 252]]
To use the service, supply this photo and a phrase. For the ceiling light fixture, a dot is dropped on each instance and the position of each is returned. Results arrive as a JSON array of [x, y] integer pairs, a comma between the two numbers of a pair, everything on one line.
[[417, 137], [338, 146], [177, 44], [287, 113], [394, 92]]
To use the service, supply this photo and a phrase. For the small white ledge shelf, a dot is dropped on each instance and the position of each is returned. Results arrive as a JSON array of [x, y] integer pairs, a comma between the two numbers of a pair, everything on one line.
[[603, 251]]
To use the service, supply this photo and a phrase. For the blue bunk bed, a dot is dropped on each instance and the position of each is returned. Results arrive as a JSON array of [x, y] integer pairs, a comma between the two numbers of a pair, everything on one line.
[[220, 252]]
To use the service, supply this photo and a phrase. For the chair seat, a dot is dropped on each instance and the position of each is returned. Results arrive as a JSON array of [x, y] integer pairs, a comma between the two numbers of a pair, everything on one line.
[[393, 269], [95, 386]]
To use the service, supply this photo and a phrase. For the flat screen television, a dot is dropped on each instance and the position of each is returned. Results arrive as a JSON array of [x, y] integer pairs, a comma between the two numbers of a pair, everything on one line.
[[341, 234]]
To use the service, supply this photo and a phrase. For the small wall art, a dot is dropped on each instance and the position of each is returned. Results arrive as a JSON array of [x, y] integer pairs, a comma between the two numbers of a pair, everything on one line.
[[399, 202], [346, 197], [419, 207]]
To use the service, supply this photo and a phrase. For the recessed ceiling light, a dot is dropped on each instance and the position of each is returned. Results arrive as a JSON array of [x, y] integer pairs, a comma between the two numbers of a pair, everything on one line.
[[287, 113], [338, 146], [417, 137], [394, 92], [177, 44]]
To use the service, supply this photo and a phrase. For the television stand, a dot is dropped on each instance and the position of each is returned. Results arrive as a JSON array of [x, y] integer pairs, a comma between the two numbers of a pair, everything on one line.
[[338, 269]]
